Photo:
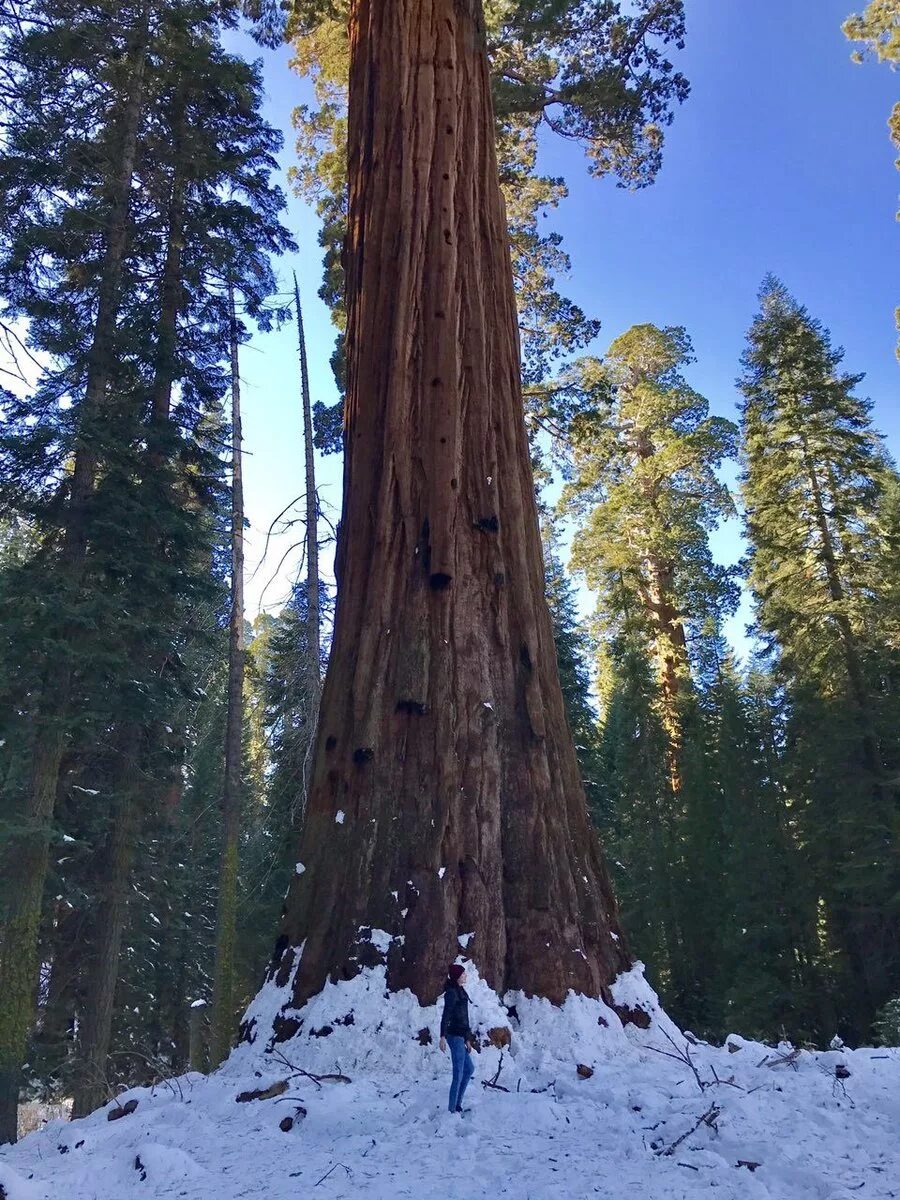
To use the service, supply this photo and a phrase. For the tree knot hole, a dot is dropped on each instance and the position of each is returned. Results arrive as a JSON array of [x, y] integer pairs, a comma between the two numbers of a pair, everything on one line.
[[439, 581], [490, 524], [363, 754]]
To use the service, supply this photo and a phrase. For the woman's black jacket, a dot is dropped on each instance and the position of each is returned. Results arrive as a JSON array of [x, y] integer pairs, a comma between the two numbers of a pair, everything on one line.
[[455, 1018]]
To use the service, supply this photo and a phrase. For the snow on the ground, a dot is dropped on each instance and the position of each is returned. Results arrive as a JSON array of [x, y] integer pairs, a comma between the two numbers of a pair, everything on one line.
[[386, 1134]]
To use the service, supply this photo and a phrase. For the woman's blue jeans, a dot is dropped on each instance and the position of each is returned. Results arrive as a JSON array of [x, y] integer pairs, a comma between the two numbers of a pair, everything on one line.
[[463, 1069]]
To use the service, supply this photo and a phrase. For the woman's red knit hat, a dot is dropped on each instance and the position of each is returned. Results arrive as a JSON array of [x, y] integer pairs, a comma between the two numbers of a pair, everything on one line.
[[455, 970]]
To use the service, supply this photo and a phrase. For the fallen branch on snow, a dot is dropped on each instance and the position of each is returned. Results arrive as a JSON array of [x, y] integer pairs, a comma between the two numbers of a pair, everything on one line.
[[317, 1079], [708, 1118], [334, 1168], [682, 1054]]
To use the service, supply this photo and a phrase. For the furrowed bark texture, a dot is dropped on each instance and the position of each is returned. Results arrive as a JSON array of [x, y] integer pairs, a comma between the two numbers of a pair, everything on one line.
[[446, 796]]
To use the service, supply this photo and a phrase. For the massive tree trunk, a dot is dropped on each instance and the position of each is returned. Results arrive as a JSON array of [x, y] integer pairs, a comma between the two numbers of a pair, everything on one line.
[[26, 869], [446, 797], [223, 1017]]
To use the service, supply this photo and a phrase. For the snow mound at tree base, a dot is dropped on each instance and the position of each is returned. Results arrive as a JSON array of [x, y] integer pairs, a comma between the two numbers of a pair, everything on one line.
[[745, 1119]]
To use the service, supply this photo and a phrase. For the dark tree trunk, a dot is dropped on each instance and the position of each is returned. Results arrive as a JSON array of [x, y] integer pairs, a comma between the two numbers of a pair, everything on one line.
[[863, 930], [223, 1018], [444, 772], [27, 866], [96, 1026], [313, 616], [115, 871]]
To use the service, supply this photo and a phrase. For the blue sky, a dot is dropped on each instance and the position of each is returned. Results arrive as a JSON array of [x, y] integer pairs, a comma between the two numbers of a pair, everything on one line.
[[778, 161]]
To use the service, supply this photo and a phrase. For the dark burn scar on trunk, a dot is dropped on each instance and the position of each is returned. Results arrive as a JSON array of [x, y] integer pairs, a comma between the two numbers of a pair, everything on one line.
[[330, 742], [439, 581], [489, 524], [425, 545], [525, 656], [415, 708], [363, 754]]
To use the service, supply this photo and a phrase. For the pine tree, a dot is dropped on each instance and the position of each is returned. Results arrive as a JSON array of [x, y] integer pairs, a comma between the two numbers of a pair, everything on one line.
[[223, 1016], [644, 480], [644, 483], [877, 30], [815, 475], [569, 637], [140, 478]]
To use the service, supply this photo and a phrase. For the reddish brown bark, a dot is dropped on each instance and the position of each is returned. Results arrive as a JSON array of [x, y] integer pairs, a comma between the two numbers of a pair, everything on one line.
[[444, 770]]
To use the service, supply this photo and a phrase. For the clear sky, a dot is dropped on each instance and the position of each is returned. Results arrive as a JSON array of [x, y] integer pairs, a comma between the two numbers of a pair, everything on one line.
[[778, 161]]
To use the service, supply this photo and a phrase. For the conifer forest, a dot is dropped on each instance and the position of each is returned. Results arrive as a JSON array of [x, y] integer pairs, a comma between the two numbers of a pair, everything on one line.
[[619, 656]]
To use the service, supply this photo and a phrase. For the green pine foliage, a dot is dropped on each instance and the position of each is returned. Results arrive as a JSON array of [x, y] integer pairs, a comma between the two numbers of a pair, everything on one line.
[[818, 491], [595, 72], [137, 124]]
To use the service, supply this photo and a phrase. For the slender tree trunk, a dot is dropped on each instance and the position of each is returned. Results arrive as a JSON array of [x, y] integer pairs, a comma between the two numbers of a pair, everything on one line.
[[28, 864], [313, 616], [446, 797], [93, 1087], [855, 673], [223, 1017], [313, 619]]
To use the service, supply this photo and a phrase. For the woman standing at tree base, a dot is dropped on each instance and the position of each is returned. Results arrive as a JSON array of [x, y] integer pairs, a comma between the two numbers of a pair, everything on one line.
[[455, 1030]]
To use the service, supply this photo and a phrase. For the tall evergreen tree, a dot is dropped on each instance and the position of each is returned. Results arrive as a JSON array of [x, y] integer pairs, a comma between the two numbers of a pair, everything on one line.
[[644, 479], [569, 637], [815, 477], [877, 31], [116, 481], [644, 483], [223, 1016]]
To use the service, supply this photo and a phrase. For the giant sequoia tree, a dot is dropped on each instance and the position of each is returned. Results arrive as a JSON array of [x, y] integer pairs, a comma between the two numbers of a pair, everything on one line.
[[445, 794], [595, 72]]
